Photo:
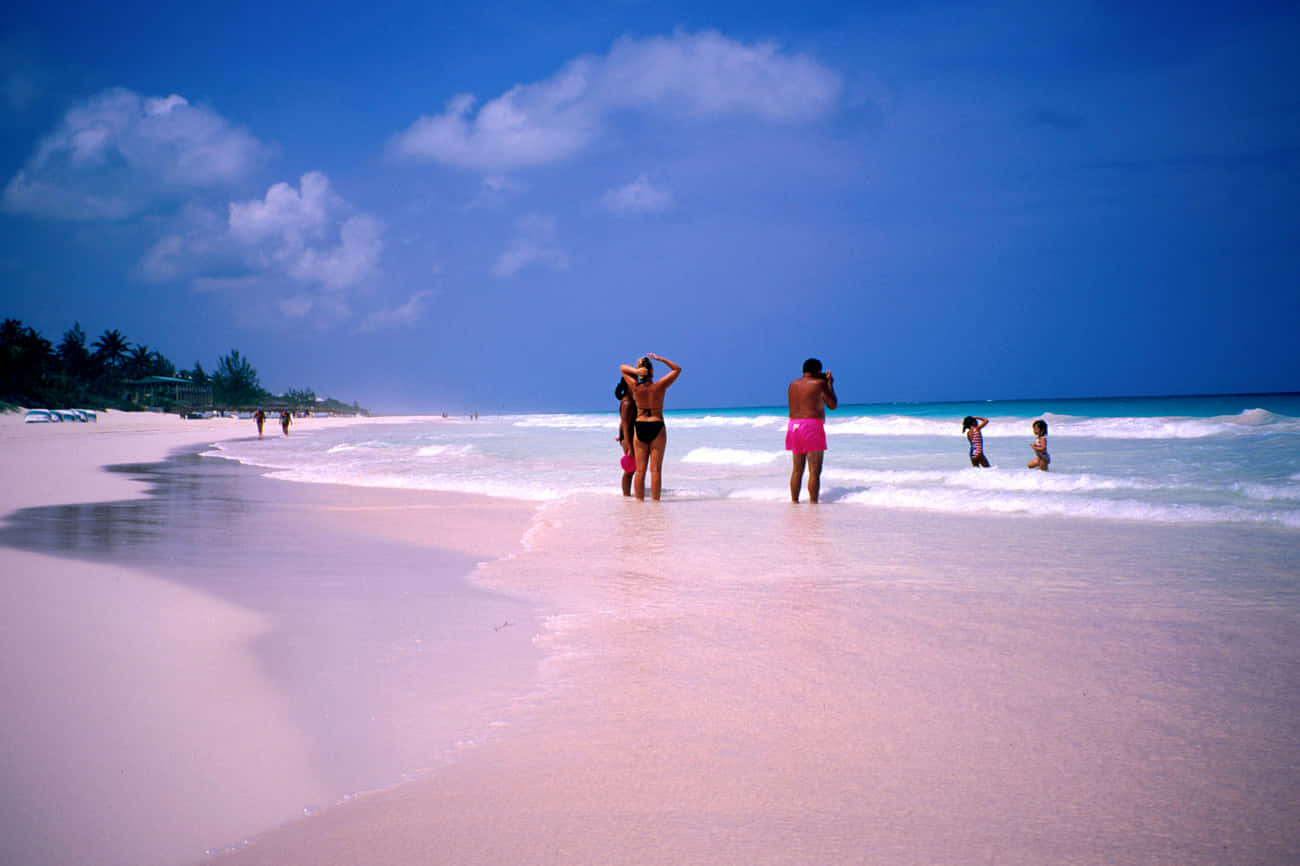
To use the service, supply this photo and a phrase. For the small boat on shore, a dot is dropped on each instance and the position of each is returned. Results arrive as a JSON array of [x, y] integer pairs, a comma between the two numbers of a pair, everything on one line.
[[54, 416]]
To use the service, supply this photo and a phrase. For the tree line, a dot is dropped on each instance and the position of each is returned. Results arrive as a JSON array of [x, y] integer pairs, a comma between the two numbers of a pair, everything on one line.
[[99, 374]]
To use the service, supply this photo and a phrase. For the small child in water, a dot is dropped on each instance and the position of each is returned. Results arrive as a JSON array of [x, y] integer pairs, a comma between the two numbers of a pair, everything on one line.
[[1041, 457], [971, 425]]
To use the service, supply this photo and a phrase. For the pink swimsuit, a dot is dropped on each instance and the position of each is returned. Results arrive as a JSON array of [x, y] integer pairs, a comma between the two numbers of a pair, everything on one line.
[[803, 435]]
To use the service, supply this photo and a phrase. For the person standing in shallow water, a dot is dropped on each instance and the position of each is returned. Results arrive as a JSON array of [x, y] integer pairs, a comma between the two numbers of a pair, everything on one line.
[[260, 417], [805, 434], [626, 423], [1041, 457], [285, 419], [651, 437], [971, 425]]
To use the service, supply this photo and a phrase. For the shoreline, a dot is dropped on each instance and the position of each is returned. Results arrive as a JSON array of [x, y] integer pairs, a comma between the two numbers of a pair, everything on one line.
[[158, 709]]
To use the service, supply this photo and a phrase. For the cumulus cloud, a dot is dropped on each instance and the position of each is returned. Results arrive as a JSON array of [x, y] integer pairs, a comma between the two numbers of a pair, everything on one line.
[[533, 246], [305, 244], [119, 152], [699, 75], [402, 316], [638, 197]]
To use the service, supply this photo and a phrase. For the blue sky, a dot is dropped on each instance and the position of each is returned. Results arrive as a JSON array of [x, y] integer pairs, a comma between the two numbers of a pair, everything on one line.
[[423, 207]]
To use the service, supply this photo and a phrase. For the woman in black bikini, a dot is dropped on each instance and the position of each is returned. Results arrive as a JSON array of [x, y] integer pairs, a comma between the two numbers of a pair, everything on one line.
[[651, 437]]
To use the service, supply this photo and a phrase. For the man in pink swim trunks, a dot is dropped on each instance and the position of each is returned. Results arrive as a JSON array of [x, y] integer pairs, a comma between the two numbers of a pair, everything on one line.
[[805, 435]]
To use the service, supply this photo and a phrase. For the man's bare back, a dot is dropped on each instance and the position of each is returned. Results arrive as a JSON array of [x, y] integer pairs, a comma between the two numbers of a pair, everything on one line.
[[810, 396]]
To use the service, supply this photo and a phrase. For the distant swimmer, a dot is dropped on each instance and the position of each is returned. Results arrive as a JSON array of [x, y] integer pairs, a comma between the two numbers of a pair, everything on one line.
[[260, 417], [971, 425], [651, 437], [1041, 457], [805, 434], [285, 419]]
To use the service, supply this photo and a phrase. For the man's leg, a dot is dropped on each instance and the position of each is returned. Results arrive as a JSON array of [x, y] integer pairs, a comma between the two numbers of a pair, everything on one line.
[[796, 476], [815, 474]]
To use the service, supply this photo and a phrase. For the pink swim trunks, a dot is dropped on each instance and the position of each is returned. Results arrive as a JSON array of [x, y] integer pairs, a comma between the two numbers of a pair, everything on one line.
[[805, 434]]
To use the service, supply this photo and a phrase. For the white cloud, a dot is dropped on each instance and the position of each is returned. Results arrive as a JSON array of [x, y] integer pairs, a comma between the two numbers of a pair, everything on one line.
[[305, 244], [532, 247], [118, 153], [308, 235], [405, 315], [291, 215], [701, 75], [638, 197]]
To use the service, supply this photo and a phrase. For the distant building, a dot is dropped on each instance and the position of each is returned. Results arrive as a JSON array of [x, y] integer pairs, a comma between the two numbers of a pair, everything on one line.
[[152, 389]]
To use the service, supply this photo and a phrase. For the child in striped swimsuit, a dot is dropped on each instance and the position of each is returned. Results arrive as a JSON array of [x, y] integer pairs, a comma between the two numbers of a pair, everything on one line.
[[971, 425]]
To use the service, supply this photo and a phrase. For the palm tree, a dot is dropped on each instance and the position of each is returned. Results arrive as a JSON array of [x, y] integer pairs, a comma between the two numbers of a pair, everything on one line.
[[11, 332], [141, 361], [25, 359], [111, 348], [73, 352]]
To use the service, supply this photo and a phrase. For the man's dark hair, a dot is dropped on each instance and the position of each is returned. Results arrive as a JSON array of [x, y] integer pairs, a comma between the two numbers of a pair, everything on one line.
[[812, 365]]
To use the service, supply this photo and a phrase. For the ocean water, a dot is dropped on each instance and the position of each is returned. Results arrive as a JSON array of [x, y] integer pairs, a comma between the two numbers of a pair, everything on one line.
[[930, 662], [1225, 460]]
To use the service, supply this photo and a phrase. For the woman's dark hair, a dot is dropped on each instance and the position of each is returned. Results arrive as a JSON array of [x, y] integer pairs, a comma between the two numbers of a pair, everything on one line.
[[1040, 427], [967, 423], [620, 390]]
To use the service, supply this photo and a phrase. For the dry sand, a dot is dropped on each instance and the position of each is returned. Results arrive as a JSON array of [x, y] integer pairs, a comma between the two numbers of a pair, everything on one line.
[[141, 724]]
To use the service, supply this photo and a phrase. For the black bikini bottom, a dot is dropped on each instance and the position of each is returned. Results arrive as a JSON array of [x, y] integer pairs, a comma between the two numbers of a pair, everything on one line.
[[648, 431]]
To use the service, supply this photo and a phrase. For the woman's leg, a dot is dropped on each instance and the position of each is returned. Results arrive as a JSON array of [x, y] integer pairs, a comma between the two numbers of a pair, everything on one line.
[[657, 464], [642, 462]]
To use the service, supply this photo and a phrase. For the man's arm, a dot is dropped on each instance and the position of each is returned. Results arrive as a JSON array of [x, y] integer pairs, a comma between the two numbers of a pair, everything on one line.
[[828, 390]]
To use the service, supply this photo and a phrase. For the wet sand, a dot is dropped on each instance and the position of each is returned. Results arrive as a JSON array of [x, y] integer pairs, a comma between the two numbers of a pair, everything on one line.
[[922, 689], [188, 668]]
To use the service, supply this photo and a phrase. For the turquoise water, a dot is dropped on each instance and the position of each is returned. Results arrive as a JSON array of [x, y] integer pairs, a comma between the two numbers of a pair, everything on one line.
[[1221, 459]]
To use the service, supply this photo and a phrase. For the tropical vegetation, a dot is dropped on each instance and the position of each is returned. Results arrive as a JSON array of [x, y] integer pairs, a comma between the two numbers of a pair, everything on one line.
[[110, 371]]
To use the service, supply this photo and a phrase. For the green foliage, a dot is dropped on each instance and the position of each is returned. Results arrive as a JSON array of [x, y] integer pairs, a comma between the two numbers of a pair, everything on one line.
[[301, 396], [235, 382], [34, 373], [111, 348], [73, 353], [26, 359]]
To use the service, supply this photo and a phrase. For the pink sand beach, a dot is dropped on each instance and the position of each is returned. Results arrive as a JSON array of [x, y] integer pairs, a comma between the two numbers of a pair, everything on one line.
[[937, 689]]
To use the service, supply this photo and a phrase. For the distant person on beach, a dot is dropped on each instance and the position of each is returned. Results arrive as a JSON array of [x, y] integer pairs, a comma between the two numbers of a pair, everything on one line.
[[1041, 457], [805, 434], [285, 419], [971, 425], [651, 437], [260, 417], [626, 423]]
